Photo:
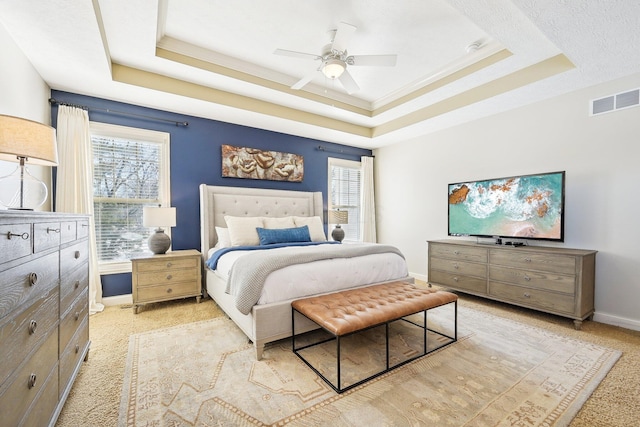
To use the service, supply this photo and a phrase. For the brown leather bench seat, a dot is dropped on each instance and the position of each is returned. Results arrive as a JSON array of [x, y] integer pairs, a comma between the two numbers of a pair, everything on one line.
[[351, 311]]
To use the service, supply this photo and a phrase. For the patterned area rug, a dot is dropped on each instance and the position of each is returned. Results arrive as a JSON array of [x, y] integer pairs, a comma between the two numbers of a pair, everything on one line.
[[498, 373]]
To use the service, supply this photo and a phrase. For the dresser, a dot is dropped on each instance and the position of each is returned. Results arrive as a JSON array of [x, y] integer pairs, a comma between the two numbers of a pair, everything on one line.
[[560, 281], [44, 313], [176, 274]]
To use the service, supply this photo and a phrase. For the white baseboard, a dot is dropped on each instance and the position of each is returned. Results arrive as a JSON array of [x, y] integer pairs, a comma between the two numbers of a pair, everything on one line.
[[118, 300], [623, 322], [417, 276]]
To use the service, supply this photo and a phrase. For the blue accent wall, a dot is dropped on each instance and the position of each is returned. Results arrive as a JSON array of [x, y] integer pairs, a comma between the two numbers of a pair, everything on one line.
[[196, 158]]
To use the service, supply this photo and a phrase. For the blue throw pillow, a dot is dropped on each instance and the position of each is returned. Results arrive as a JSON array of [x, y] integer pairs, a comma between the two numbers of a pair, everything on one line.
[[269, 236]]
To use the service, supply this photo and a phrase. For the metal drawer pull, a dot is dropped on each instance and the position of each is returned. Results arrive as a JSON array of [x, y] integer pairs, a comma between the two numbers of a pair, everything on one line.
[[53, 230], [33, 279], [169, 277], [169, 264], [527, 259], [169, 290], [76, 255], [24, 235], [527, 295], [527, 278], [32, 327], [456, 252], [76, 316], [77, 348], [32, 381], [77, 284], [455, 279], [456, 266], [84, 225]]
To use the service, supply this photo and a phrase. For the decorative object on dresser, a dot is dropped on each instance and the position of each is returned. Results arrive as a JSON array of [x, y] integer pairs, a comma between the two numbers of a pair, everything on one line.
[[338, 217], [559, 281], [23, 140], [159, 242], [44, 312], [163, 277]]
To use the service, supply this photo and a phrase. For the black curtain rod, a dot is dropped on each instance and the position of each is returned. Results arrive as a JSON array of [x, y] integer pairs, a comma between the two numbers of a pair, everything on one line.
[[340, 151], [53, 101]]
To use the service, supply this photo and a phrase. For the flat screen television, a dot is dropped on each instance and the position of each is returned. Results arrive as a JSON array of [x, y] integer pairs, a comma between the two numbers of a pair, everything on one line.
[[516, 207]]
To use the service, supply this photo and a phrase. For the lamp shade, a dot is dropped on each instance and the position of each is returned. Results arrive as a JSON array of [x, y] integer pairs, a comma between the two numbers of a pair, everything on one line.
[[338, 217], [158, 217], [26, 138], [334, 68]]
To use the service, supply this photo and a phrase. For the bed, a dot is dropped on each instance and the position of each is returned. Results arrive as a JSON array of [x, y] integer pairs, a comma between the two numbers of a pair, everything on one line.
[[269, 319]]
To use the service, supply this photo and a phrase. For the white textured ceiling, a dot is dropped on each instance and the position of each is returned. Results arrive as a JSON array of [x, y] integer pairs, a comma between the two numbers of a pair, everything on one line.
[[214, 59]]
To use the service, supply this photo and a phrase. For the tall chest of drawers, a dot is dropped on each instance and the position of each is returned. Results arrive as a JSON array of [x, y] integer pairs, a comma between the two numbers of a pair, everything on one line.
[[554, 280], [44, 313]]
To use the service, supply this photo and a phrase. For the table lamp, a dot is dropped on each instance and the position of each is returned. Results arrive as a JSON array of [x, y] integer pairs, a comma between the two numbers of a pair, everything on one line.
[[159, 242], [23, 141], [338, 217]]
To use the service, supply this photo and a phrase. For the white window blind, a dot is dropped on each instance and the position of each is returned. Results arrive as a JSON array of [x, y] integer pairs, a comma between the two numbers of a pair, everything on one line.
[[130, 171], [344, 194]]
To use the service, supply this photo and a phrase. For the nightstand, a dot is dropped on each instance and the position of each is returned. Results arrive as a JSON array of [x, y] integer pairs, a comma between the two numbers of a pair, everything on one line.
[[166, 277]]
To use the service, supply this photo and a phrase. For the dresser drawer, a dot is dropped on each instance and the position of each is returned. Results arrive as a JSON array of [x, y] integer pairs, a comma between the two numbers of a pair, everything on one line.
[[70, 320], [27, 281], [73, 257], [166, 292], [42, 409], [149, 265], [459, 267], [71, 286], [46, 235], [16, 241], [460, 252], [456, 281], [26, 330], [166, 277], [533, 278], [555, 263], [67, 231], [534, 298], [73, 353], [20, 390]]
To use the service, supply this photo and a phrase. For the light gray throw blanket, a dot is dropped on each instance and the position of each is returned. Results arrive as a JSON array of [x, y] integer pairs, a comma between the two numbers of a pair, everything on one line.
[[249, 272]]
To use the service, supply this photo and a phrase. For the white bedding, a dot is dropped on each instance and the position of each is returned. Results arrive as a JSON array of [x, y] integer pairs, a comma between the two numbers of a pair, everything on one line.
[[331, 275]]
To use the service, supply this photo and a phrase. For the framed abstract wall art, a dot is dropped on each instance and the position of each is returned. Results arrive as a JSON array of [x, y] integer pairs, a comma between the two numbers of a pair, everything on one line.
[[253, 163]]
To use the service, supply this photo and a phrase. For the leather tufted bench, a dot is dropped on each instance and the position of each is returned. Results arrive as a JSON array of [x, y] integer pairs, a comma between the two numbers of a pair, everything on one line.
[[355, 310]]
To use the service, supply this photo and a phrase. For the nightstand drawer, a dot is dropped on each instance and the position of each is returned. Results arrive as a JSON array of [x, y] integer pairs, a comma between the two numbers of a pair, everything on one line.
[[167, 276], [166, 292], [166, 264]]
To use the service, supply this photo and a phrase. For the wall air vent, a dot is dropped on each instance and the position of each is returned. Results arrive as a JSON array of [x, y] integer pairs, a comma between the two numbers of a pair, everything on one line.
[[616, 102]]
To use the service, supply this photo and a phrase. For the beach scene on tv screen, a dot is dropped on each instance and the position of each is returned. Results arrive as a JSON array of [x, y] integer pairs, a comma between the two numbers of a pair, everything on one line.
[[524, 207]]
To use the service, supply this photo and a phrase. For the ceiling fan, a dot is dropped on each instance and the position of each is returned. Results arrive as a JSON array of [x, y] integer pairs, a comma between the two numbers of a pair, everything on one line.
[[335, 59]]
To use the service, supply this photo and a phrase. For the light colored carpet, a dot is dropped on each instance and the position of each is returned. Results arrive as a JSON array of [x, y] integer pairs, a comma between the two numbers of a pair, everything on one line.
[[96, 395], [499, 373]]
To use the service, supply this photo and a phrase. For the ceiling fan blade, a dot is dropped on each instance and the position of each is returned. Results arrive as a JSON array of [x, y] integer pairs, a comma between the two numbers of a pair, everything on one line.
[[303, 81], [347, 81], [295, 54], [373, 60], [342, 37]]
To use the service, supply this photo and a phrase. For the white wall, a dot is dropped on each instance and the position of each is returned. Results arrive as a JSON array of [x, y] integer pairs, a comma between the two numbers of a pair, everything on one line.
[[601, 156], [23, 93]]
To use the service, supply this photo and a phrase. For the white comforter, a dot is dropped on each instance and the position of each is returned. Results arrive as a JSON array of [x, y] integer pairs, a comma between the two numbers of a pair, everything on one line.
[[322, 276]]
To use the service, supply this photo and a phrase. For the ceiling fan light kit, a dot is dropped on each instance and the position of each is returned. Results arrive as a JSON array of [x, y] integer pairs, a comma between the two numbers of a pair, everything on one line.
[[333, 68]]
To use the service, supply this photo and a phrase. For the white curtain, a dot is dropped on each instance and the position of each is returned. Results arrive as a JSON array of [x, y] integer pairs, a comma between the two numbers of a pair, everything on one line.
[[74, 184], [368, 203]]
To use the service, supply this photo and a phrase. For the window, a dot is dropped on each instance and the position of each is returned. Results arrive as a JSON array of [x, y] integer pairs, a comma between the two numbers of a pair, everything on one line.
[[130, 171], [344, 194]]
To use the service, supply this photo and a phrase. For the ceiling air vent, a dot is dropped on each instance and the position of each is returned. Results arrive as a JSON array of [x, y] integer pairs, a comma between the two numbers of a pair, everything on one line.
[[615, 102]]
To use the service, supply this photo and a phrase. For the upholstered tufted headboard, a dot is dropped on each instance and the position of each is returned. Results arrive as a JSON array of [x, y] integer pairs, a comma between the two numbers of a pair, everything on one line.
[[218, 201]]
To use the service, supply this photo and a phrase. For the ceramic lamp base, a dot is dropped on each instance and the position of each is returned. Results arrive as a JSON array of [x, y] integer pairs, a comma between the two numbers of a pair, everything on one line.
[[159, 243], [337, 234]]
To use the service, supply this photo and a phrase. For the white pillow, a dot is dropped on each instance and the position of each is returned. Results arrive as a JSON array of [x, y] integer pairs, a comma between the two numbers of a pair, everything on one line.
[[242, 230], [283, 222], [224, 241], [316, 229]]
